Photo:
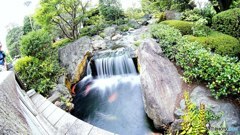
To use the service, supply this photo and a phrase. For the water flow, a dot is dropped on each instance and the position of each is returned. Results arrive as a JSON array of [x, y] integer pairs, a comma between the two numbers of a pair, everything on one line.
[[113, 100], [115, 66]]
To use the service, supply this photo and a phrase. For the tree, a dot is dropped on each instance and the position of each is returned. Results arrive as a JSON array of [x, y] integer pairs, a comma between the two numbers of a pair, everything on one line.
[[67, 15], [36, 44], [13, 40], [222, 5], [150, 6], [111, 9]]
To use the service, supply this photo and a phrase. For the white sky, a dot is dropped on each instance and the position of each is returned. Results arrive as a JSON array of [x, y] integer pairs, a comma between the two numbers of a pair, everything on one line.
[[13, 12]]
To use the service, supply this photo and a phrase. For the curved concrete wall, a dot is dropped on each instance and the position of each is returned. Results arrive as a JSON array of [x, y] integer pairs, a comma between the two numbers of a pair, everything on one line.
[[31, 113], [12, 120]]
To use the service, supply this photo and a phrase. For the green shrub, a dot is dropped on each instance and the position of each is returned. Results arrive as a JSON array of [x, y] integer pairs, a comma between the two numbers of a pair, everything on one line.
[[228, 22], [36, 44], [61, 42], [160, 16], [199, 13], [91, 30], [219, 43], [111, 13], [36, 74], [123, 28], [194, 119], [222, 73], [134, 13], [184, 26], [168, 38], [93, 17], [200, 29]]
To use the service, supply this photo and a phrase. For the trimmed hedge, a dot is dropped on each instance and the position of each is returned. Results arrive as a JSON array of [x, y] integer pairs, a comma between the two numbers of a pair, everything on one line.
[[184, 26], [168, 37], [228, 22], [222, 73], [219, 43]]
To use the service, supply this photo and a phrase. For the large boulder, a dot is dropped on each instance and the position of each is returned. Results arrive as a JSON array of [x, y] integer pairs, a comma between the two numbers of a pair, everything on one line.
[[160, 83], [72, 54], [231, 113]]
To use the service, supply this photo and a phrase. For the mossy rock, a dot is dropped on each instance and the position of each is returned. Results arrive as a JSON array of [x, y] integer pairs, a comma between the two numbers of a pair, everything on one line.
[[219, 43], [185, 27]]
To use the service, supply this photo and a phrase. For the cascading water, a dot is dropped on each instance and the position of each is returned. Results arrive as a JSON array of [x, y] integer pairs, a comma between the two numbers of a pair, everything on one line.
[[112, 100]]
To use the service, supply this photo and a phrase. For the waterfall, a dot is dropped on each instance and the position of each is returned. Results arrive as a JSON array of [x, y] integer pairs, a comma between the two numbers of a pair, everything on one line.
[[118, 65], [110, 95]]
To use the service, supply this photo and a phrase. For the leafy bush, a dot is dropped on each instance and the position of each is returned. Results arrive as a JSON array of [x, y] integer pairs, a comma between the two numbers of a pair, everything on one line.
[[134, 13], [199, 13], [36, 44], [123, 28], [200, 29], [160, 16], [168, 38], [194, 119], [219, 43], [111, 12], [221, 72], [61, 42], [38, 75], [93, 17], [184, 26], [228, 22], [91, 30]]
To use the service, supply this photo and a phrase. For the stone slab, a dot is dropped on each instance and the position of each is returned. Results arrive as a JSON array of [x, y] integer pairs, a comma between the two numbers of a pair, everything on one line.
[[56, 116], [80, 128], [49, 110], [65, 123], [99, 131], [43, 106]]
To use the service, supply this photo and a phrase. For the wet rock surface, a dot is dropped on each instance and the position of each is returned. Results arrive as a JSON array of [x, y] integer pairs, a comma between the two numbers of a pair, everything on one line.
[[160, 83]]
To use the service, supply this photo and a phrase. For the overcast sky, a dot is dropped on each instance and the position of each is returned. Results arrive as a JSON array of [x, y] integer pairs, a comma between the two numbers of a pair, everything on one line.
[[13, 12]]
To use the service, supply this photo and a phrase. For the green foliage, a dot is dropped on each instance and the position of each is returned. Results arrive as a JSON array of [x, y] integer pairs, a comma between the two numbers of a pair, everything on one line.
[[235, 4], [91, 30], [8, 58], [93, 17], [168, 38], [61, 42], [134, 13], [160, 16], [27, 25], [219, 43], [194, 120], [153, 6], [13, 37], [123, 27], [184, 26], [199, 13], [221, 72], [222, 130], [67, 15], [111, 13], [36, 44], [200, 29], [37, 74], [228, 22]]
